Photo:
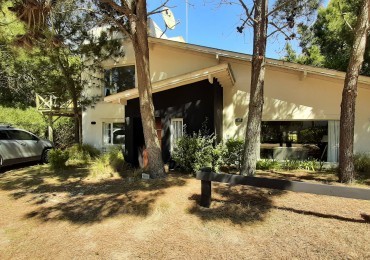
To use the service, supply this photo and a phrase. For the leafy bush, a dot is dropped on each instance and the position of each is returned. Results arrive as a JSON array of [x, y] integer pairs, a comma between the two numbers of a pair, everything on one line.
[[362, 162], [28, 119], [268, 164], [233, 152], [83, 152], [193, 152], [218, 152], [58, 159]]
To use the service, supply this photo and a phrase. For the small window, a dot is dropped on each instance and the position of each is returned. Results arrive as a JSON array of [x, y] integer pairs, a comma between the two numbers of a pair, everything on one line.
[[113, 133], [177, 131], [119, 79]]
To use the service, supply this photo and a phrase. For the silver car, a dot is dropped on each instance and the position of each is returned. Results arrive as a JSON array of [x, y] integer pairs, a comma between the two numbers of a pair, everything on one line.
[[18, 146]]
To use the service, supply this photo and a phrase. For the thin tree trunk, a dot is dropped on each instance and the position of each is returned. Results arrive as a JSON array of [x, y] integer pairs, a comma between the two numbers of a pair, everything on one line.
[[141, 47], [253, 131], [349, 94], [72, 92], [76, 117]]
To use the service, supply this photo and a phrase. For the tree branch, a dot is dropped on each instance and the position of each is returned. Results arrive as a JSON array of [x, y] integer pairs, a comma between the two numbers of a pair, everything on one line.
[[158, 9], [118, 8], [278, 29], [249, 14]]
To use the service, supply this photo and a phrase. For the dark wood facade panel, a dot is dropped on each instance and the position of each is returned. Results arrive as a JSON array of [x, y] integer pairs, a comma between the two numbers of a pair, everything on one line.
[[196, 103]]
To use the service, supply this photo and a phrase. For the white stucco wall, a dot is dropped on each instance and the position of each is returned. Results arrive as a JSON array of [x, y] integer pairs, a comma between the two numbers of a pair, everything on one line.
[[288, 94], [101, 112]]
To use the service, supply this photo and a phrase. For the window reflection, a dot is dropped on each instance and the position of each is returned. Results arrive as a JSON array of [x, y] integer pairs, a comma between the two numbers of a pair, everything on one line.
[[301, 140]]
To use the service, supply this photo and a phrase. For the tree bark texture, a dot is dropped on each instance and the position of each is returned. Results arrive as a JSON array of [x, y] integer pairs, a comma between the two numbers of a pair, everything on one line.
[[256, 100], [139, 36], [349, 94]]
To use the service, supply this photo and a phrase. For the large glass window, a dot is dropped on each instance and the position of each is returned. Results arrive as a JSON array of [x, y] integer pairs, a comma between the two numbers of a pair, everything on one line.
[[119, 79], [294, 140], [113, 133]]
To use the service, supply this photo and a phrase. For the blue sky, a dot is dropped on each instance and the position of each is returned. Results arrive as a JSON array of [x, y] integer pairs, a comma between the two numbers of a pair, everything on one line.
[[214, 25]]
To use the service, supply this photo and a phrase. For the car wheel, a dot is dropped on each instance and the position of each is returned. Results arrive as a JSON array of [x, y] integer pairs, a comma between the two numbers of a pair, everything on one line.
[[45, 156]]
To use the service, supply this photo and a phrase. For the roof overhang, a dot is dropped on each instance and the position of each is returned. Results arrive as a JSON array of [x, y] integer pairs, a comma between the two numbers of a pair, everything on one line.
[[221, 72]]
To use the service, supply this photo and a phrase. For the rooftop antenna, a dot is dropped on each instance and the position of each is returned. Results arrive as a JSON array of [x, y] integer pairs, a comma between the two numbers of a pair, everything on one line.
[[169, 18], [187, 21]]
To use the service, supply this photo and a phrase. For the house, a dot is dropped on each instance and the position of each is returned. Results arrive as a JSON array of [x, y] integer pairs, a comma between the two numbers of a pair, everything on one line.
[[194, 84]]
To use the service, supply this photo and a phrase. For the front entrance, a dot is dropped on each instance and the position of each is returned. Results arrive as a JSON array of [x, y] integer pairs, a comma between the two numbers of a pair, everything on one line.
[[194, 106]]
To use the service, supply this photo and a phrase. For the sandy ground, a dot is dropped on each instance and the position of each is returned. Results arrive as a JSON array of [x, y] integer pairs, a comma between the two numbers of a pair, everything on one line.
[[44, 216]]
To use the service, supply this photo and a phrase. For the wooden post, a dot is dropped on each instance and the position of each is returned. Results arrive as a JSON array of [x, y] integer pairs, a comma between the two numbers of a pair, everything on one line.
[[206, 192], [50, 128]]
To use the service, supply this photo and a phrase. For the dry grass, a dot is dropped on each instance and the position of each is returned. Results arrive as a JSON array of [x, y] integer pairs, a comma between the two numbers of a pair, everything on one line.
[[44, 215]]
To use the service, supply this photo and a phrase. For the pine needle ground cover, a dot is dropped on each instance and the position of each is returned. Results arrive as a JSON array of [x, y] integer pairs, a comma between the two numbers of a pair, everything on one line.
[[44, 215]]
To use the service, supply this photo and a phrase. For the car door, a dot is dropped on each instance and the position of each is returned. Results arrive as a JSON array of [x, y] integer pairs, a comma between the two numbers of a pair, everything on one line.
[[29, 144], [10, 150]]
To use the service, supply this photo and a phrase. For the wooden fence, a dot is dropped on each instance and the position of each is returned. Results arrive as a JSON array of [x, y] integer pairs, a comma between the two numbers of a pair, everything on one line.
[[207, 176]]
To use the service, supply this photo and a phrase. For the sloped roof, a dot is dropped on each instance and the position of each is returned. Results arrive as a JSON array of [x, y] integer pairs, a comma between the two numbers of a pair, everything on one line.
[[269, 62]]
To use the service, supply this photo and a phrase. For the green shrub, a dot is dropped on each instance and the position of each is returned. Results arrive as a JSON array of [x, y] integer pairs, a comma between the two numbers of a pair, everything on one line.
[[290, 165], [218, 152], [233, 152], [83, 152], [116, 159], [28, 119], [362, 162], [58, 159], [193, 152], [268, 164], [109, 163], [310, 165]]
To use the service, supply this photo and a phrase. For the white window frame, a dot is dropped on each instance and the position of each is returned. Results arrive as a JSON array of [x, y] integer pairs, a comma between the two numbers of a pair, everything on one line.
[[111, 132], [172, 130]]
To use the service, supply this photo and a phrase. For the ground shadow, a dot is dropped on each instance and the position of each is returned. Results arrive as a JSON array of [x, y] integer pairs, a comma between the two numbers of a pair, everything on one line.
[[323, 177], [365, 217], [245, 204], [83, 202], [238, 204]]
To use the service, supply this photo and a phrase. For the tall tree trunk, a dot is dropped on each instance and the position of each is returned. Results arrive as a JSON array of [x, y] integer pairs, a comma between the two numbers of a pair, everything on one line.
[[140, 42], [253, 131], [72, 92], [349, 94]]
